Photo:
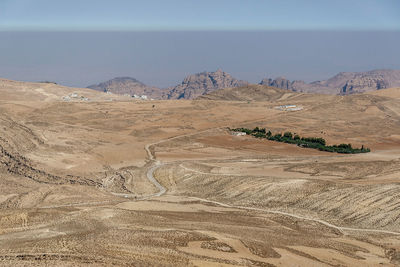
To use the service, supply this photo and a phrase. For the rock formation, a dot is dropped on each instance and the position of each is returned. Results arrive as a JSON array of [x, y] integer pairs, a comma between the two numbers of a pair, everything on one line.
[[203, 83], [342, 83], [283, 83]]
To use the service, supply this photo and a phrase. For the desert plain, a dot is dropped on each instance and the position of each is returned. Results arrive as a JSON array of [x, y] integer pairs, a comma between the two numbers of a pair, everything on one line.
[[104, 180]]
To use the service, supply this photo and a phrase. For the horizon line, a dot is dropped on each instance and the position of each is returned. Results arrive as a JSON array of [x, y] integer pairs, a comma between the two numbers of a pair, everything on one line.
[[26, 28], [6, 29]]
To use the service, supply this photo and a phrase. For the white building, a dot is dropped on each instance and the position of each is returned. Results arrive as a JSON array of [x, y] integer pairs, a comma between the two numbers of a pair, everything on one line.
[[238, 133]]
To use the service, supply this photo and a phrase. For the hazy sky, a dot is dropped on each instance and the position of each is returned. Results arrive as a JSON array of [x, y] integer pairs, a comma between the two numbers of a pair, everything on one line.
[[200, 14], [80, 42]]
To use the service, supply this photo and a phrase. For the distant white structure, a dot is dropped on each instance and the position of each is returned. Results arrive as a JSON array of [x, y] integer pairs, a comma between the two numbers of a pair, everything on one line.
[[289, 107], [140, 97], [238, 133], [74, 96]]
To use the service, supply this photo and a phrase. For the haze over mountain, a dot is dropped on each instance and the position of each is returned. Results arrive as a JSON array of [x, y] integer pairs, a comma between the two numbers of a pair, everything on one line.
[[205, 83], [163, 59], [191, 87], [342, 83]]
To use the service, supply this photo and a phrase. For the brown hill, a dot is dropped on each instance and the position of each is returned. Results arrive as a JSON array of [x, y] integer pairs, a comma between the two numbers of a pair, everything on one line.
[[127, 86], [203, 83], [390, 92], [250, 92]]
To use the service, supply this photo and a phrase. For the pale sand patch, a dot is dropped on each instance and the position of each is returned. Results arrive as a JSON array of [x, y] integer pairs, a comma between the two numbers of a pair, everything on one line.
[[370, 247], [36, 234], [373, 110], [165, 206]]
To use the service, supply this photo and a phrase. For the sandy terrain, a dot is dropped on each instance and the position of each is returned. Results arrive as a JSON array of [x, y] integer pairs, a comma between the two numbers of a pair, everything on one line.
[[82, 182]]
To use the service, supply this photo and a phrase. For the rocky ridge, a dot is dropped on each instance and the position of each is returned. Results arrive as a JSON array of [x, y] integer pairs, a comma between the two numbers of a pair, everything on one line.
[[204, 83], [343, 83]]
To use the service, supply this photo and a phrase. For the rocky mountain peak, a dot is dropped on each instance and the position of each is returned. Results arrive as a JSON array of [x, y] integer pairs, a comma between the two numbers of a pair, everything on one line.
[[203, 83], [279, 82]]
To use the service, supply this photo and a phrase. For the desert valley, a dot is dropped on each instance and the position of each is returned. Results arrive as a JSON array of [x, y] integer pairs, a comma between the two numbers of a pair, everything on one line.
[[91, 178], [199, 133]]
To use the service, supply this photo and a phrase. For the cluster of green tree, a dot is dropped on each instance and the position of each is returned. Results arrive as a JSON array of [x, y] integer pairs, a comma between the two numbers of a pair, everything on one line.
[[310, 142]]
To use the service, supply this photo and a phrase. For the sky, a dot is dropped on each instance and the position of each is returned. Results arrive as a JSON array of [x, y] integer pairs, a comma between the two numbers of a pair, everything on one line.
[[205, 15], [78, 43]]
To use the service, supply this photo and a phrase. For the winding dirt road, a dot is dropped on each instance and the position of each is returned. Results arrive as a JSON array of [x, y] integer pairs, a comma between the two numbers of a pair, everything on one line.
[[150, 177], [162, 190]]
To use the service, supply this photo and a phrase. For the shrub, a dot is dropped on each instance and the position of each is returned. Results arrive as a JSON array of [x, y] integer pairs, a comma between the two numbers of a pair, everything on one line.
[[288, 135], [308, 142]]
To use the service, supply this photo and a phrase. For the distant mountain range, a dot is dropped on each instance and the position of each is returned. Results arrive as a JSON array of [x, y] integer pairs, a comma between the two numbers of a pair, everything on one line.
[[204, 83], [343, 83], [192, 86]]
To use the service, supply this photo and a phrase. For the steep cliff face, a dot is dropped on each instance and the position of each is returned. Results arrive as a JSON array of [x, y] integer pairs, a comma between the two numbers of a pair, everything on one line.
[[370, 81], [203, 83], [283, 83]]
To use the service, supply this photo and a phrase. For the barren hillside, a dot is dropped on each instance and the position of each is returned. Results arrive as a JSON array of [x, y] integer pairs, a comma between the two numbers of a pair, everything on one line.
[[30, 91], [250, 92]]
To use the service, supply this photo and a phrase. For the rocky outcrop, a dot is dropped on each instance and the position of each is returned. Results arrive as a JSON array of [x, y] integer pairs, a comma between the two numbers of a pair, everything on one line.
[[203, 83], [128, 86], [359, 82], [363, 84], [283, 83], [342, 83]]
